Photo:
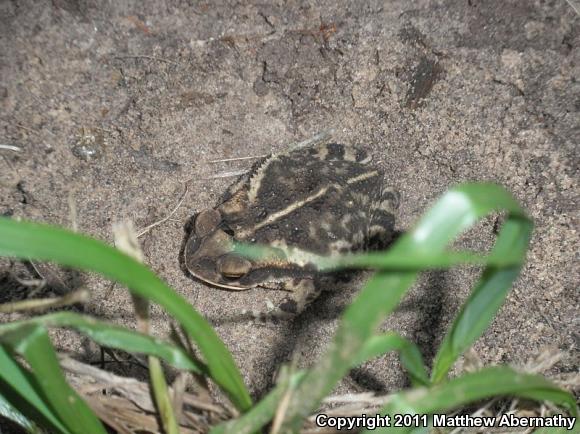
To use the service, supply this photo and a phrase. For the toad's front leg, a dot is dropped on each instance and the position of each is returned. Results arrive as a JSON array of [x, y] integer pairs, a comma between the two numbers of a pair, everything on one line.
[[303, 291]]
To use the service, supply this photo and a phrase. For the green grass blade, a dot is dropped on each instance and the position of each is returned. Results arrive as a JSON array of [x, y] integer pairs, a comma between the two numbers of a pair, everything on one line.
[[20, 390], [113, 336], [469, 388], [451, 215], [410, 355], [161, 396], [8, 411], [379, 297], [44, 242], [416, 261], [33, 344], [485, 299], [454, 213], [263, 411], [256, 418], [389, 260]]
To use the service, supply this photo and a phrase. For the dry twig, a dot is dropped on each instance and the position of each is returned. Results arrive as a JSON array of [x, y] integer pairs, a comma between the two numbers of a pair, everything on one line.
[[252, 157], [10, 148], [167, 217], [79, 296], [228, 174], [142, 56], [125, 404]]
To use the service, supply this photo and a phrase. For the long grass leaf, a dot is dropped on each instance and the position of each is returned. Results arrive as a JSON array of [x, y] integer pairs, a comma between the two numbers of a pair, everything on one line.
[[379, 297], [44, 242], [451, 215], [485, 299], [113, 336], [8, 411], [410, 355], [389, 260], [20, 389], [469, 388], [33, 344], [161, 395], [263, 411]]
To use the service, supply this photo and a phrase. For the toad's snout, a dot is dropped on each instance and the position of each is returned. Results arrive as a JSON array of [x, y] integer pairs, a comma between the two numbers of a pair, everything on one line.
[[208, 253]]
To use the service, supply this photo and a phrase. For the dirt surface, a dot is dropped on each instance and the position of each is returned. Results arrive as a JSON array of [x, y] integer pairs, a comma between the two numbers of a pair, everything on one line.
[[117, 106]]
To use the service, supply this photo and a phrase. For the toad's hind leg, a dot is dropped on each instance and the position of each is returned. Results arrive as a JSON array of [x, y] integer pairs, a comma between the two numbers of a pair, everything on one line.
[[382, 223]]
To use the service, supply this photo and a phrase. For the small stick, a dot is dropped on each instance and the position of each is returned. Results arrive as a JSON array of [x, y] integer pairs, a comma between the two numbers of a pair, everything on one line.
[[228, 174], [39, 287], [323, 135], [134, 390], [178, 387], [167, 217], [55, 277], [11, 148], [238, 159], [73, 211], [574, 4], [159, 59], [367, 397], [78, 296], [281, 412], [26, 128], [544, 361]]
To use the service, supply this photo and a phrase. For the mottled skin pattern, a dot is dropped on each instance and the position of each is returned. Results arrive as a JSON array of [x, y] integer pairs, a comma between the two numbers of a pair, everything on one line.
[[323, 199]]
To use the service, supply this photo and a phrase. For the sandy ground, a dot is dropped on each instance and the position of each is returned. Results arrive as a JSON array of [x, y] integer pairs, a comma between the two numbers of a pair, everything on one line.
[[120, 105]]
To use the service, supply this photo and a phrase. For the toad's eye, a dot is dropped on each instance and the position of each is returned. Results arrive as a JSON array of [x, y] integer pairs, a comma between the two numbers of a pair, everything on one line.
[[233, 266], [206, 222]]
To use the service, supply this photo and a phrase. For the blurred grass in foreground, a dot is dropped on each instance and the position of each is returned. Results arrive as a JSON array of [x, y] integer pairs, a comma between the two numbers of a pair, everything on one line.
[[35, 393]]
